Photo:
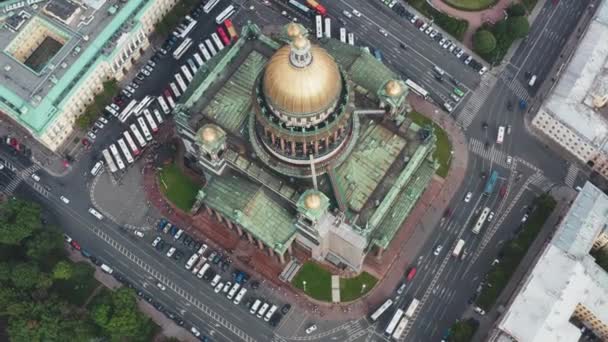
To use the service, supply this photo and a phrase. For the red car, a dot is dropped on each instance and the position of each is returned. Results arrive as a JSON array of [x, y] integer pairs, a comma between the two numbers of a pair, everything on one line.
[[503, 191], [411, 273], [75, 245]]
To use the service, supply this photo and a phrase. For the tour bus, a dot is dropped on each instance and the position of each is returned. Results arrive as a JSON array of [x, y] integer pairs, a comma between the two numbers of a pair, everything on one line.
[[199, 264], [140, 139], [119, 162], [390, 328], [192, 65], [127, 111], [411, 309], [343, 34], [96, 168], [262, 310], [150, 120], [210, 46], [382, 309], [501, 135], [146, 100], [351, 38], [270, 312], [191, 261], [125, 150], [400, 328], [240, 296], [223, 36], [158, 116], [183, 33], [319, 26], [458, 248], [233, 290], [186, 73], [226, 13], [481, 220], [210, 5], [144, 128], [175, 90], [203, 270], [327, 27], [417, 88], [131, 143], [204, 51], [217, 41], [181, 83], [163, 104], [198, 59], [171, 103], [182, 48], [255, 306], [109, 160], [532, 81]]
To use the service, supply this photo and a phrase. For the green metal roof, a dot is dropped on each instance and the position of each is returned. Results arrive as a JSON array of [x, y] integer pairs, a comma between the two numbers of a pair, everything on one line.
[[367, 165], [248, 204]]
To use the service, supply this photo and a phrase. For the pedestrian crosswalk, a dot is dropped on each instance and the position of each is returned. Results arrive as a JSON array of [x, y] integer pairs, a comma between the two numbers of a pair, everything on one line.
[[509, 77], [470, 110], [491, 153], [571, 175], [41, 189], [20, 176], [540, 181]]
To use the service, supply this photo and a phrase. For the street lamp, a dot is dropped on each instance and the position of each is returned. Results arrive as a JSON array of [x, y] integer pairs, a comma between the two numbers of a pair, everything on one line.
[[363, 287], [304, 284]]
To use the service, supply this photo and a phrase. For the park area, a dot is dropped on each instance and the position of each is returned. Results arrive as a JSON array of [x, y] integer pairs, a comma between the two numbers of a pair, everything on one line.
[[471, 5], [177, 187], [443, 152], [315, 281]]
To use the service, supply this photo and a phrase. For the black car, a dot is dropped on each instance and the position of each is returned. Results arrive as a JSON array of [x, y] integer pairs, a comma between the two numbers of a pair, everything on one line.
[[197, 245], [140, 293], [285, 309], [178, 255], [148, 298], [225, 266], [170, 315], [209, 274], [185, 239], [275, 319], [255, 285], [218, 258]]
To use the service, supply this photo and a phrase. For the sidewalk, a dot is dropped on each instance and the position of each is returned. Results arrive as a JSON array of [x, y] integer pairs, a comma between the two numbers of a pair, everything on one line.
[[564, 196]]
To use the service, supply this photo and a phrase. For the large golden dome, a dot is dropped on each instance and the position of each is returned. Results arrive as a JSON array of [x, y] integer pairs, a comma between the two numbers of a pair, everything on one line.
[[305, 90]]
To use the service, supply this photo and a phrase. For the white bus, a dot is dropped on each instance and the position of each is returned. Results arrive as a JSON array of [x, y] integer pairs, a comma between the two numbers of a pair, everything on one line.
[[210, 5], [382, 309], [137, 110], [217, 41], [125, 150], [144, 128], [163, 104], [211, 48], [181, 83], [233, 290], [226, 13], [127, 111], [390, 328], [351, 38], [240, 296], [151, 121], [198, 59], [158, 116], [255, 306], [501, 135], [411, 310], [417, 88], [182, 33], [170, 102], [131, 143], [204, 51], [191, 261], [481, 220], [182, 48], [400, 328], [327, 27], [175, 90], [119, 162], [532, 81], [270, 312], [186, 73], [192, 65], [109, 160], [458, 248], [138, 136], [203, 270], [319, 26], [342, 34]]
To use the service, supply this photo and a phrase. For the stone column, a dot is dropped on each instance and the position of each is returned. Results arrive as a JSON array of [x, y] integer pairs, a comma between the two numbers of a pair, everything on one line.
[[229, 223], [219, 216], [305, 148], [290, 248], [281, 258], [209, 211], [282, 144], [293, 148], [379, 253], [260, 244], [238, 229], [249, 237]]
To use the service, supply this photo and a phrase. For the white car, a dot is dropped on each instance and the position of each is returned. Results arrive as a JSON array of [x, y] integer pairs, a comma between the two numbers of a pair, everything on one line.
[[401, 289], [102, 119], [218, 287], [227, 287], [414, 18], [35, 177], [149, 68], [468, 197], [130, 89], [156, 241], [64, 200], [67, 238], [525, 218], [438, 250], [202, 249], [491, 216], [423, 27], [509, 160], [442, 41], [99, 124], [91, 135], [468, 60], [433, 33], [429, 30], [383, 32], [161, 286], [446, 44], [483, 70], [452, 48], [139, 233], [195, 332], [357, 13], [460, 53], [347, 14], [171, 251], [311, 329], [145, 72], [479, 310]]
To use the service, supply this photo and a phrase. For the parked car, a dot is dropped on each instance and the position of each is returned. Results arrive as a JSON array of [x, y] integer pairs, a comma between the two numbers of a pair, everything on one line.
[[161, 286], [311, 329], [438, 250], [468, 197]]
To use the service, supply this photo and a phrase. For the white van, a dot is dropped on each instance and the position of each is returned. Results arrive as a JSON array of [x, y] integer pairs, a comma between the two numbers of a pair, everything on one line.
[[202, 271], [270, 313], [96, 168], [191, 261], [262, 310], [106, 269], [216, 280], [255, 306], [178, 234], [95, 213], [240, 296], [233, 290]]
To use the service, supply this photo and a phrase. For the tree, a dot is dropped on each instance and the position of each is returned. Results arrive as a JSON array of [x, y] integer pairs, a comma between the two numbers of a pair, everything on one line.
[[484, 42], [45, 245], [18, 220], [5, 272], [63, 270], [117, 314], [518, 26], [462, 331], [26, 275], [516, 10]]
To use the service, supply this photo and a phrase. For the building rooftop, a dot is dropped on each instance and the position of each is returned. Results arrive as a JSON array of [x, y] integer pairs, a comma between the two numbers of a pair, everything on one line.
[[582, 81], [564, 276], [71, 37]]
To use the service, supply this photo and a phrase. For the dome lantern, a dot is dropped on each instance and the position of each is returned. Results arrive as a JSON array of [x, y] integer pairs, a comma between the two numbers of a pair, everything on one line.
[[300, 55]]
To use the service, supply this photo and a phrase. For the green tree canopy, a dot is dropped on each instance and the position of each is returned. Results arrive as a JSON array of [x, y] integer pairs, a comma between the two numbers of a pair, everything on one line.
[[462, 331], [484, 42], [18, 220], [118, 315], [63, 270], [516, 10], [47, 243], [518, 26], [26, 275], [5, 272]]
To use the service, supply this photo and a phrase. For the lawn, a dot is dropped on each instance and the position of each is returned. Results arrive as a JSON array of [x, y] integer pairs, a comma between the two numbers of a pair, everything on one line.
[[178, 188], [77, 289], [454, 26], [318, 283], [443, 152], [471, 5]]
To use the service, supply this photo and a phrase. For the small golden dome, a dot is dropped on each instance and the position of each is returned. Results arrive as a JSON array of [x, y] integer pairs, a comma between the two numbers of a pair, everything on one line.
[[293, 30], [209, 134], [312, 201], [393, 88], [300, 42], [306, 90]]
